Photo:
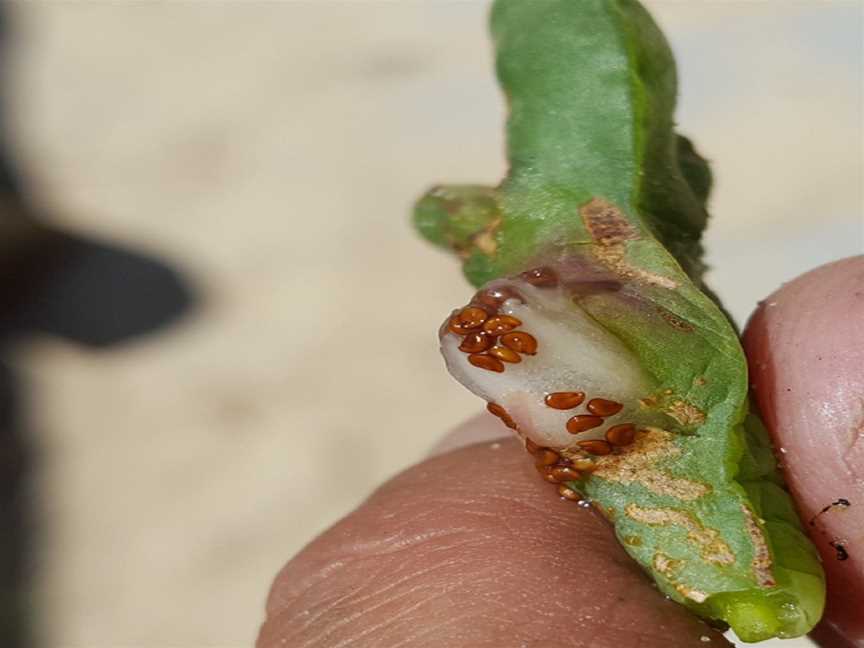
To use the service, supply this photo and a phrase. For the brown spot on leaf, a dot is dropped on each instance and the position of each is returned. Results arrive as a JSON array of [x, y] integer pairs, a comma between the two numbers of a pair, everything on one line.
[[674, 321], [693, 594], [761, 562], [711, 545], [669, 568], [636, 464], [685, 413], [485, 239], [606, 224], [611, 231], [666, 565]]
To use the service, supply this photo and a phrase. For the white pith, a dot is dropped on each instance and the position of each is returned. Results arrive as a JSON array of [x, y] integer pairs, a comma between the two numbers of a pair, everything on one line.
[[574, 354]]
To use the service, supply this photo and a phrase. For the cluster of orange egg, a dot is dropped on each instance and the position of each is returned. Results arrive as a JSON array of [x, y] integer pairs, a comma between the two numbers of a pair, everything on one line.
[[551, 464], [490, 339], [598, 408]]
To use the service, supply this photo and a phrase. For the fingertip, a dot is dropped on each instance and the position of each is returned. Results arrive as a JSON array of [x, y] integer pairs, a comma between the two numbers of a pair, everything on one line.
[[471, 548], [805, 349], [478, 429]]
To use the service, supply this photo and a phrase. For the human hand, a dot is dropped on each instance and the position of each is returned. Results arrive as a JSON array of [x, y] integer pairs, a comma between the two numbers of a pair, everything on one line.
[[471, 549]]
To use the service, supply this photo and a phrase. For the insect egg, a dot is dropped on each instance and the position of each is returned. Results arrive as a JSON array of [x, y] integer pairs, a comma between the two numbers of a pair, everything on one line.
[[520, 341], [505, 354], [583, 422], [564, 400], [498, 324], [596, 446], [621, 435], [476, 342], [486, 362], [603, 407], [540, 277]]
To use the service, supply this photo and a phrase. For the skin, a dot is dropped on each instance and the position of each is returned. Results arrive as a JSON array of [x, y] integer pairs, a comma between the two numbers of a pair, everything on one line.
[[495, 558], [806, 370]]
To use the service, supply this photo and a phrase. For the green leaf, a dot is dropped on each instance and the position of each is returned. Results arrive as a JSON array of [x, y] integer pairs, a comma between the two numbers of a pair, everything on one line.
[[601, 188]]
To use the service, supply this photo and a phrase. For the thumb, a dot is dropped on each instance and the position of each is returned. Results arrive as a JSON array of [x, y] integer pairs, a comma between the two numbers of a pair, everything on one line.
[[805, 345], [470, 548]]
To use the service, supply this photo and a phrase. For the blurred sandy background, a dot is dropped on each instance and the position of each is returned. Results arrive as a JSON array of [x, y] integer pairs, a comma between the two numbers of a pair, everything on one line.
[[269, 152]]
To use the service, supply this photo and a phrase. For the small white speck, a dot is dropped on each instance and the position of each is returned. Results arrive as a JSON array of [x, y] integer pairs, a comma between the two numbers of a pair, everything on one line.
[[783, 450], [584, 503], [704, 638], [495, 446], [769, 304]]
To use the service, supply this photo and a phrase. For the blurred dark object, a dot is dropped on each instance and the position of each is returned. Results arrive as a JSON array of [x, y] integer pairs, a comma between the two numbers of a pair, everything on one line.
[[86, 292], [54, 282], [91, 293], [16, 520], [29, 253]]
